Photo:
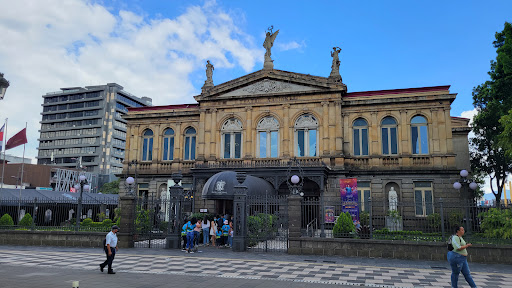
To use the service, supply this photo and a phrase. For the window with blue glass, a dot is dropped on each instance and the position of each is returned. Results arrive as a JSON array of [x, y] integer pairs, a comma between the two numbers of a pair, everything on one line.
[[360, 128], [268, 137], [168, 145], [419, 135], [147, 145], [190, 144], [231, 139], [389, 136], [306, 137]]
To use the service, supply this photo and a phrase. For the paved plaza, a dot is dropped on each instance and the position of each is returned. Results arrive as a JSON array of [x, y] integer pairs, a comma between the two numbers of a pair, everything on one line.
[[22, 266]]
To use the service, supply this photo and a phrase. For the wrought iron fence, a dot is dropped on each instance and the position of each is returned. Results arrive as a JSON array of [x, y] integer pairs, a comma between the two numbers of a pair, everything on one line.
[[58, 214], [153, 219], [419, 221]]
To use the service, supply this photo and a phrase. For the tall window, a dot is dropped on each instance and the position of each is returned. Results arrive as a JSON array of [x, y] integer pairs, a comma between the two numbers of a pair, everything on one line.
[[423, 198], [168, 144], [389, 136], [306, 136], [363, 189], [147, 145], [268, 137], [419, 135], [190, 144], [231, 139], [360, 137]]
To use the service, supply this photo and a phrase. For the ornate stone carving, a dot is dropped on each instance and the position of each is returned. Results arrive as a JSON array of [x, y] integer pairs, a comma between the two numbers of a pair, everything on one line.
[[306, 121], [266, 86], [268, 123], [232, 124]]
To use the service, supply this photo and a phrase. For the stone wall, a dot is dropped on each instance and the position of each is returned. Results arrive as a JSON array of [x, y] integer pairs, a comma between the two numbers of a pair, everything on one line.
[[395, 249], [52, 238]]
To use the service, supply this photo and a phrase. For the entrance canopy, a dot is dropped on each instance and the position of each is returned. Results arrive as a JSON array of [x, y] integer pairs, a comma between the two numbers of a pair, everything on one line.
[[222, 186]]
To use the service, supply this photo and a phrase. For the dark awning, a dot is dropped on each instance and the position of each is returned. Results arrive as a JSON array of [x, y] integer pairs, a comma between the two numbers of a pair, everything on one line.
[[221, 186]]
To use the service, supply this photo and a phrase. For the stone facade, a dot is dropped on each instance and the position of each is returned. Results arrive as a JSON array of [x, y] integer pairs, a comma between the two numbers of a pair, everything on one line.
[[404, 136]]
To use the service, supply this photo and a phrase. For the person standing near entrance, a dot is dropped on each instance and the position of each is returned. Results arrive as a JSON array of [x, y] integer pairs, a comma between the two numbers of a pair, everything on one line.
[[190, 234], [206, 231], [110, 249], [458, 258]]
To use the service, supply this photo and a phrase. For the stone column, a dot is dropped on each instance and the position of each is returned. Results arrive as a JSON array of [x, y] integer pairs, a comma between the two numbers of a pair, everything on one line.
[[207, 134], [339, 128], [294, 224], [324, 145], [346, 134], [286, 132], [404, 127], [248, 133], [213, 136], [178, 139], [173, 240], [332, 130], [127, 225], [200, 136], [240, 220]]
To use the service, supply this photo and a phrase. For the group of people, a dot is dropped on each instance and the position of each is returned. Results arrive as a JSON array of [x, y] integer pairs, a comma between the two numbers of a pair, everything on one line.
[[218, 232]]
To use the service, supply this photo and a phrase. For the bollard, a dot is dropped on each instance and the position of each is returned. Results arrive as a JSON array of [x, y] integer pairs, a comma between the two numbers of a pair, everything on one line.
[[75, 284]]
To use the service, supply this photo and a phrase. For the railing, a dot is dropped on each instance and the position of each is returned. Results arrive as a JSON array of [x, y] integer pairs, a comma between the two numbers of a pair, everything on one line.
[[313, 226], [255, 163]]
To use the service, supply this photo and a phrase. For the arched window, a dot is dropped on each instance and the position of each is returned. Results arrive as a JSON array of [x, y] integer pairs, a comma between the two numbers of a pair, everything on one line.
[[306, 136], [389, 136], [268, 137], [147, 145], [168, 143], [231, 139], [360, 128], [190, 144], [419, 135]]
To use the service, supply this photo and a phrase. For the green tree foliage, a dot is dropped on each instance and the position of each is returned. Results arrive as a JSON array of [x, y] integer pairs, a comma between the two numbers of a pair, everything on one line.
[[493, 100], [260, 227], [344, 226], [497, 223], [110, 188], [434, 221], [26, 221], [142, 222], [6, 220]]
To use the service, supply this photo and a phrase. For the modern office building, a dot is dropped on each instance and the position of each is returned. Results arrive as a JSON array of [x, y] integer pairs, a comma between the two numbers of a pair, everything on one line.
[[84, 128]]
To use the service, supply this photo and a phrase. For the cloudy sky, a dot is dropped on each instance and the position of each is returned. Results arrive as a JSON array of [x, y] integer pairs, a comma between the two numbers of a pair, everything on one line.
[[158, 48]]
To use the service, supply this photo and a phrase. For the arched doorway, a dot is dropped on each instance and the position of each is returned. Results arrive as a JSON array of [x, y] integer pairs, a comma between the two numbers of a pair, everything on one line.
[[311, 211]]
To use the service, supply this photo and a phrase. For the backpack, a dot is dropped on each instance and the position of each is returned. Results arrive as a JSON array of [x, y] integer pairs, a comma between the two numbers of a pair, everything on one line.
[[449, 243]]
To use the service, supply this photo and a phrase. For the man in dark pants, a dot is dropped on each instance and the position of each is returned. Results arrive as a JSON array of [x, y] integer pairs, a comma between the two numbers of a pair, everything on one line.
[[110, 249]]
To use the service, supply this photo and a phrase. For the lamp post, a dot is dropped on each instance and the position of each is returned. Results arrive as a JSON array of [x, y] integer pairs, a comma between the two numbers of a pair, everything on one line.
[[129, 182], [83, 186], [465, 183], [3, 86], [295, 182]]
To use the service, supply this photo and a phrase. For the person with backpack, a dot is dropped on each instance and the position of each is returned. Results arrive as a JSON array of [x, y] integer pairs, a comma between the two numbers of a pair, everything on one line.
[[110, 247], [184, 235], [457, 257], [190, 234]]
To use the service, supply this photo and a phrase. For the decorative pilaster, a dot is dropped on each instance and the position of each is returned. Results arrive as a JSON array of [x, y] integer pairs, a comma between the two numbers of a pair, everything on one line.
[[240, 221], [173, 241]]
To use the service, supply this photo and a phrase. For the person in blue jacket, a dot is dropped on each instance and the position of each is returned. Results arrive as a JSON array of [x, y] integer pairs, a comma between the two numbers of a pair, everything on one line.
[[190, 234], [225, 232], [184, 235]]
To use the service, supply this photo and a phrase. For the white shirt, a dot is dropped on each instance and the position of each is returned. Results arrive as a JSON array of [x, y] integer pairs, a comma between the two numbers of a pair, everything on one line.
[[205, 224], [111, 239]]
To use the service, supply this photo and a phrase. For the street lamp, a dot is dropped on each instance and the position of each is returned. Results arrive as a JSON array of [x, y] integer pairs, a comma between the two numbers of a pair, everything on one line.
[[3, 86], [129, 181], [83, 186], [464, 183], [295, 182]]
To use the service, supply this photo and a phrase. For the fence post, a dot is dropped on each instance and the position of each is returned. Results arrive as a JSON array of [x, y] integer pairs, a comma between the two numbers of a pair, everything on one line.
[[468, 223], [34, 213], [173, 240], [371, 215], [442, 216], [240, 213]]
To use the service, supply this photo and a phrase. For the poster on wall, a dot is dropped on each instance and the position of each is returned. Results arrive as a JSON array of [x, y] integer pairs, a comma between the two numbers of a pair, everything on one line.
[[349, 197], [329, 214]]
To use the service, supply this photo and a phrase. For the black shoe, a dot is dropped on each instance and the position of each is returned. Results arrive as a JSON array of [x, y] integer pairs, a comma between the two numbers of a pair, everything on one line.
[[101, 268], [111, 272]]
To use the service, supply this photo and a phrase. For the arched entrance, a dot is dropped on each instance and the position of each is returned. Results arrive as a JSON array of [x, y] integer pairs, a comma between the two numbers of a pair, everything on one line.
[[311, 212]]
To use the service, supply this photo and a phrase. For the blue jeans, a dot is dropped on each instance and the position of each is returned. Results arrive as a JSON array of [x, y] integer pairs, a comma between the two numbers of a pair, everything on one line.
[[190, 240], [230, 240], [459, 263], [206, 234]]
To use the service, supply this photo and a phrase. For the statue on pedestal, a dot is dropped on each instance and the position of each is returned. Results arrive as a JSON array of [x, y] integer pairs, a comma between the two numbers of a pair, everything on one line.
[[335, 67], [269, 42], [393, 199], [209, 73]]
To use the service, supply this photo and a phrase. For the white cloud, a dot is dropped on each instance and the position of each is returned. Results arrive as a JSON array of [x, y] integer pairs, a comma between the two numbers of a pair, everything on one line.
[[52, 44], [291, 45]]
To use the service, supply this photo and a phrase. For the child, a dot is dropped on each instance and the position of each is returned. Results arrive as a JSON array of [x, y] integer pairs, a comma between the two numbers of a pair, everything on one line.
[[213, 231], [225, 233], [230, 234], [184, 235], [190, 234], [197, 232]]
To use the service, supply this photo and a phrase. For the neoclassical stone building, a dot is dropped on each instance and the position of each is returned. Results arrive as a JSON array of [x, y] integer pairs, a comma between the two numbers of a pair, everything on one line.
[[402, 138]]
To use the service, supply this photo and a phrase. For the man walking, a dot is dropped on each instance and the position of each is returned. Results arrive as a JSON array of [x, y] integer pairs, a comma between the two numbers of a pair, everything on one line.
[[110, 249]]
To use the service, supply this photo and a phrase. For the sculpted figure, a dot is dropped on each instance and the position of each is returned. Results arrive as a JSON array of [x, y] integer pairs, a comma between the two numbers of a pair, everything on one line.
[[393, 199], [209, 71], [269, 42], [335, 67]]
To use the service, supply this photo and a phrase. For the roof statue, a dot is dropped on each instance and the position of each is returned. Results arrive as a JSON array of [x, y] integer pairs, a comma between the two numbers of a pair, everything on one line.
[[269, 42], [209, 73], [335, 67]]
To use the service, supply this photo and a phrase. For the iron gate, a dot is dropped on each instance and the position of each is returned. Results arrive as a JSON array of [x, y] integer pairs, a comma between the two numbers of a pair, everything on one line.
[[152, 224], [267, 223]]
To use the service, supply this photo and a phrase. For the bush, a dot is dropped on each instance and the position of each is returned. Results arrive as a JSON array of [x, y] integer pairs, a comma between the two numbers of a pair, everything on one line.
[[259, 228], [87, 222], [26, 221], [6, 220], [497, 223], [455, 218], [364, 218], [142, 221], [101, 217], [344, 226], [107, 223], [434, 221]]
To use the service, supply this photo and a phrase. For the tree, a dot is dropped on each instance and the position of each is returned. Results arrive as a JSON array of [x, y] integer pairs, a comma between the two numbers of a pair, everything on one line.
[[493, 100], [110, 188]]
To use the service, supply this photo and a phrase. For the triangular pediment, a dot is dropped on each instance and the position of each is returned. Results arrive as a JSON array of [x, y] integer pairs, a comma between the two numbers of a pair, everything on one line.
[[271, 82]]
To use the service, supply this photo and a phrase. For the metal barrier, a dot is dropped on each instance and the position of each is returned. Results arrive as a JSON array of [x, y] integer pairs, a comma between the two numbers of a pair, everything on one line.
[[267, 223]]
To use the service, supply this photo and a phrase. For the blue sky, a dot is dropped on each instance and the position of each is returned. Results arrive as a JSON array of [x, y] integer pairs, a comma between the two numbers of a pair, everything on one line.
[[158, 48]]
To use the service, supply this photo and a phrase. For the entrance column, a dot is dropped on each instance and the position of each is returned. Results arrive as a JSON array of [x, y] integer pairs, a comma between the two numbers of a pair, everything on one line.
[[173, 240], [294, 224], [240, 220]]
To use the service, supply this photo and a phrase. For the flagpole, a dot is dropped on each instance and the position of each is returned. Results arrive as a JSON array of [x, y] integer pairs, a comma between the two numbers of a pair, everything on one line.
[[21, 181], [3, 147]]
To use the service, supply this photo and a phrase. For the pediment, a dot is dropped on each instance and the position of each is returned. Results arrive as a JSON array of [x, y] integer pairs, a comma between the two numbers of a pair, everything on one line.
[[269, 86]]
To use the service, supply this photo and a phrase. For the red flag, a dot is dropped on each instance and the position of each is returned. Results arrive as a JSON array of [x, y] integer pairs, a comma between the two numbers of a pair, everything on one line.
[[19, 139]]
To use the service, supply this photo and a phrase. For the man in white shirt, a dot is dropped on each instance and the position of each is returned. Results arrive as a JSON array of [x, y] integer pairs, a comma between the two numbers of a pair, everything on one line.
[[110, 249]]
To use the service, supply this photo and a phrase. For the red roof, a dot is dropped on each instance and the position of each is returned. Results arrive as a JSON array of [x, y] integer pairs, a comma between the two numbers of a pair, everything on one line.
[[398, 91], [166, 107]]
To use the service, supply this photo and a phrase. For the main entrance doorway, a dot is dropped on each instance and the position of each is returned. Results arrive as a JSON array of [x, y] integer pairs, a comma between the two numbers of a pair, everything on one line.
[[223, 207]]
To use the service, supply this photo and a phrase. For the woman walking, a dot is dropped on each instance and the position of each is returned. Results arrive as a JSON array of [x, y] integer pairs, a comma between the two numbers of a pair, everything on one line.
[[458, 259]]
